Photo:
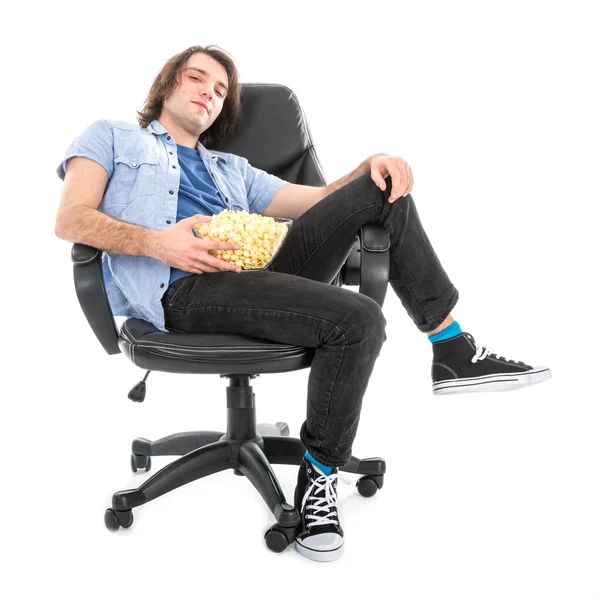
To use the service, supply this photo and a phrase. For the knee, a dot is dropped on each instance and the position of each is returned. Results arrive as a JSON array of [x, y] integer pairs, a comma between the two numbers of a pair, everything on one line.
[[375, 319], [364, 320], [407, 202]]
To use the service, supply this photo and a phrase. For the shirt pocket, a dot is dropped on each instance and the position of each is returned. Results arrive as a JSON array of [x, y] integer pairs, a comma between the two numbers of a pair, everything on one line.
[[132, 178]]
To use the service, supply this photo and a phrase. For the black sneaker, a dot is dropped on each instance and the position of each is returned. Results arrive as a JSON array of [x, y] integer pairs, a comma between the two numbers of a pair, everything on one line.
[[320, 535], [461, 365]]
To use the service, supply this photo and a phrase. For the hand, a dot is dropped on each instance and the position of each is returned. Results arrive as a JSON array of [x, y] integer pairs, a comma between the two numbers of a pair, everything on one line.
[[383, 165], [178, 247]]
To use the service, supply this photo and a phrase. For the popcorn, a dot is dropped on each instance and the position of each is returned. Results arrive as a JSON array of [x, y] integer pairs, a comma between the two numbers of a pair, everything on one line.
[[259, 237]]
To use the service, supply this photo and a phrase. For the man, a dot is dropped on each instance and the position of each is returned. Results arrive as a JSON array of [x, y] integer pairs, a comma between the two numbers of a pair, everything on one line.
[[136, 192]]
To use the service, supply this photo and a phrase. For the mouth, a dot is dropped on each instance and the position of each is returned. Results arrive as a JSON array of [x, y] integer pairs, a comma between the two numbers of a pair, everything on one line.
[[201, 106]]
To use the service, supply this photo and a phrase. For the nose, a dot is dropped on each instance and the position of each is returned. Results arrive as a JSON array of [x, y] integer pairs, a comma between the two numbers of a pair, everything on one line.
[[208, 93]]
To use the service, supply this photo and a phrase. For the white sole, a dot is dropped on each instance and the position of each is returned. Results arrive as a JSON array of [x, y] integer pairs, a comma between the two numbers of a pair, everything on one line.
[[319, 555], [502, 382]]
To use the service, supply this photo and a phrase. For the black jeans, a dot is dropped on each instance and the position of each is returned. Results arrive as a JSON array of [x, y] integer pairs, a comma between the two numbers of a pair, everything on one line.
[[294, 302]]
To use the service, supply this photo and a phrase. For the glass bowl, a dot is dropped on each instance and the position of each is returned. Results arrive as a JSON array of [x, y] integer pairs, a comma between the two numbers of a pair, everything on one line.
[[259, 241]]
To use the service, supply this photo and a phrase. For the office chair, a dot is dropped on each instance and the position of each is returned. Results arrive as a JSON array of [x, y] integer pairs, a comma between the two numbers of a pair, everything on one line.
[[273, 136]]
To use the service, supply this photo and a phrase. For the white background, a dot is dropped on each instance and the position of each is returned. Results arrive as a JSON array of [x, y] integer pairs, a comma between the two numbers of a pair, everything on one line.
[[487, 496]]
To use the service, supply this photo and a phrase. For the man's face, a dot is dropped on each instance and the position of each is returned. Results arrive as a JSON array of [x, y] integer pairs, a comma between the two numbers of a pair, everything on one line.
[[203, 81]]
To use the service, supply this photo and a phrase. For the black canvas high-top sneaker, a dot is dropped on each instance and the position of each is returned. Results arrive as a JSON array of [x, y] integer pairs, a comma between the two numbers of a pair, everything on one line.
[[461, 365], [320, 535]]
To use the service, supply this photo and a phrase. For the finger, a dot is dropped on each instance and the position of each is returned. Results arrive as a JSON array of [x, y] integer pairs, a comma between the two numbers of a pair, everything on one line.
[[191, 222], [411, 180], [222, 265], [405, 179], [378, 178], [397, 183], [224, 246], [211, 245], [197, 219], [227, 266], [202, 264], [215, 265], [201, 268]]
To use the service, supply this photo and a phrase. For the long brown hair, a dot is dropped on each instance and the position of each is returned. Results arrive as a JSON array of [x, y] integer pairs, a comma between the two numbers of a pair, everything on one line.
[[166, 81]]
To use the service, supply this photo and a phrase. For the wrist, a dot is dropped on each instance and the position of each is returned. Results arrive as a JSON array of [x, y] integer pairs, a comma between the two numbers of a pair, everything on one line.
[[374, 157], [152, 245]]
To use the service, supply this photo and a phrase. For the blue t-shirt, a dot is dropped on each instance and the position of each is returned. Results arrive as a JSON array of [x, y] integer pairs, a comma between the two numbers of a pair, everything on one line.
[[197, 193]]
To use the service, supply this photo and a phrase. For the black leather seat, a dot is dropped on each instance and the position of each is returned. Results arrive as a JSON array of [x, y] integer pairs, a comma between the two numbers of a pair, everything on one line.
[[273, 136]]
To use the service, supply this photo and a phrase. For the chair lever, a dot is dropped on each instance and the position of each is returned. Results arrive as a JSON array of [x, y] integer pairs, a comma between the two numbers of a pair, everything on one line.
[[138, 391]]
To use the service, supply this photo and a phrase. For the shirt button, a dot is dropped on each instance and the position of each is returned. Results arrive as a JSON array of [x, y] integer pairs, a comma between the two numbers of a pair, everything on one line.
[[168, 137], [134, 164], [162, 285], [171, 192], [170, 153], [174, 166], [168, 221]]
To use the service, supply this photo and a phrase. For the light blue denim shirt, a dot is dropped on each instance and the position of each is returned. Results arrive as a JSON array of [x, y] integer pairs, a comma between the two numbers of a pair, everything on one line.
[[142, 189]]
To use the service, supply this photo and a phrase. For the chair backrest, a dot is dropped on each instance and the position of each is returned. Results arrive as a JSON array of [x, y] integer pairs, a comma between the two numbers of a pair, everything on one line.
[[274, 135]]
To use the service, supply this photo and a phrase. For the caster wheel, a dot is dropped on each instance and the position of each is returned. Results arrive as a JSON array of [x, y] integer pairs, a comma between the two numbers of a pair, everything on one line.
[[369, 485], [283, 428], [113, 519], [140, 462], [276, 539]]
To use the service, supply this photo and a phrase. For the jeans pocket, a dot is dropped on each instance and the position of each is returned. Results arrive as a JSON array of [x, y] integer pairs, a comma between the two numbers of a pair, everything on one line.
[[174, 290]]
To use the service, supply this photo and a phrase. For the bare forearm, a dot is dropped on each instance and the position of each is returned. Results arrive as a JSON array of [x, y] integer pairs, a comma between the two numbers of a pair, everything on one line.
[[362, 169], [86, 225]]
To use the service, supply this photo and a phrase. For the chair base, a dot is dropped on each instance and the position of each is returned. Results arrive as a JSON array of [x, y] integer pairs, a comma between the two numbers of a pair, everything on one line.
[[244, 449]]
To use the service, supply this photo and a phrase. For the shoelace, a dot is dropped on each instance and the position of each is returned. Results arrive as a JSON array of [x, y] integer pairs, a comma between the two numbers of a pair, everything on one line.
[[322, 504], [481, 352]]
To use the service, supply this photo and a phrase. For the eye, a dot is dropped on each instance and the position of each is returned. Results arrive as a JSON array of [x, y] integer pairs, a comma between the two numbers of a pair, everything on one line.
[[220, 93]]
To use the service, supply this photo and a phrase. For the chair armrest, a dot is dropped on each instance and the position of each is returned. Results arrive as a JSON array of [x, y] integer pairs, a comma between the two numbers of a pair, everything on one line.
[[91, 293], [368, 264]]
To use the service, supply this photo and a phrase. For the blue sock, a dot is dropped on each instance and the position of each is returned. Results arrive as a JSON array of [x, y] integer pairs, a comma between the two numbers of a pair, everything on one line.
[[326, 470], [446, 333]]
